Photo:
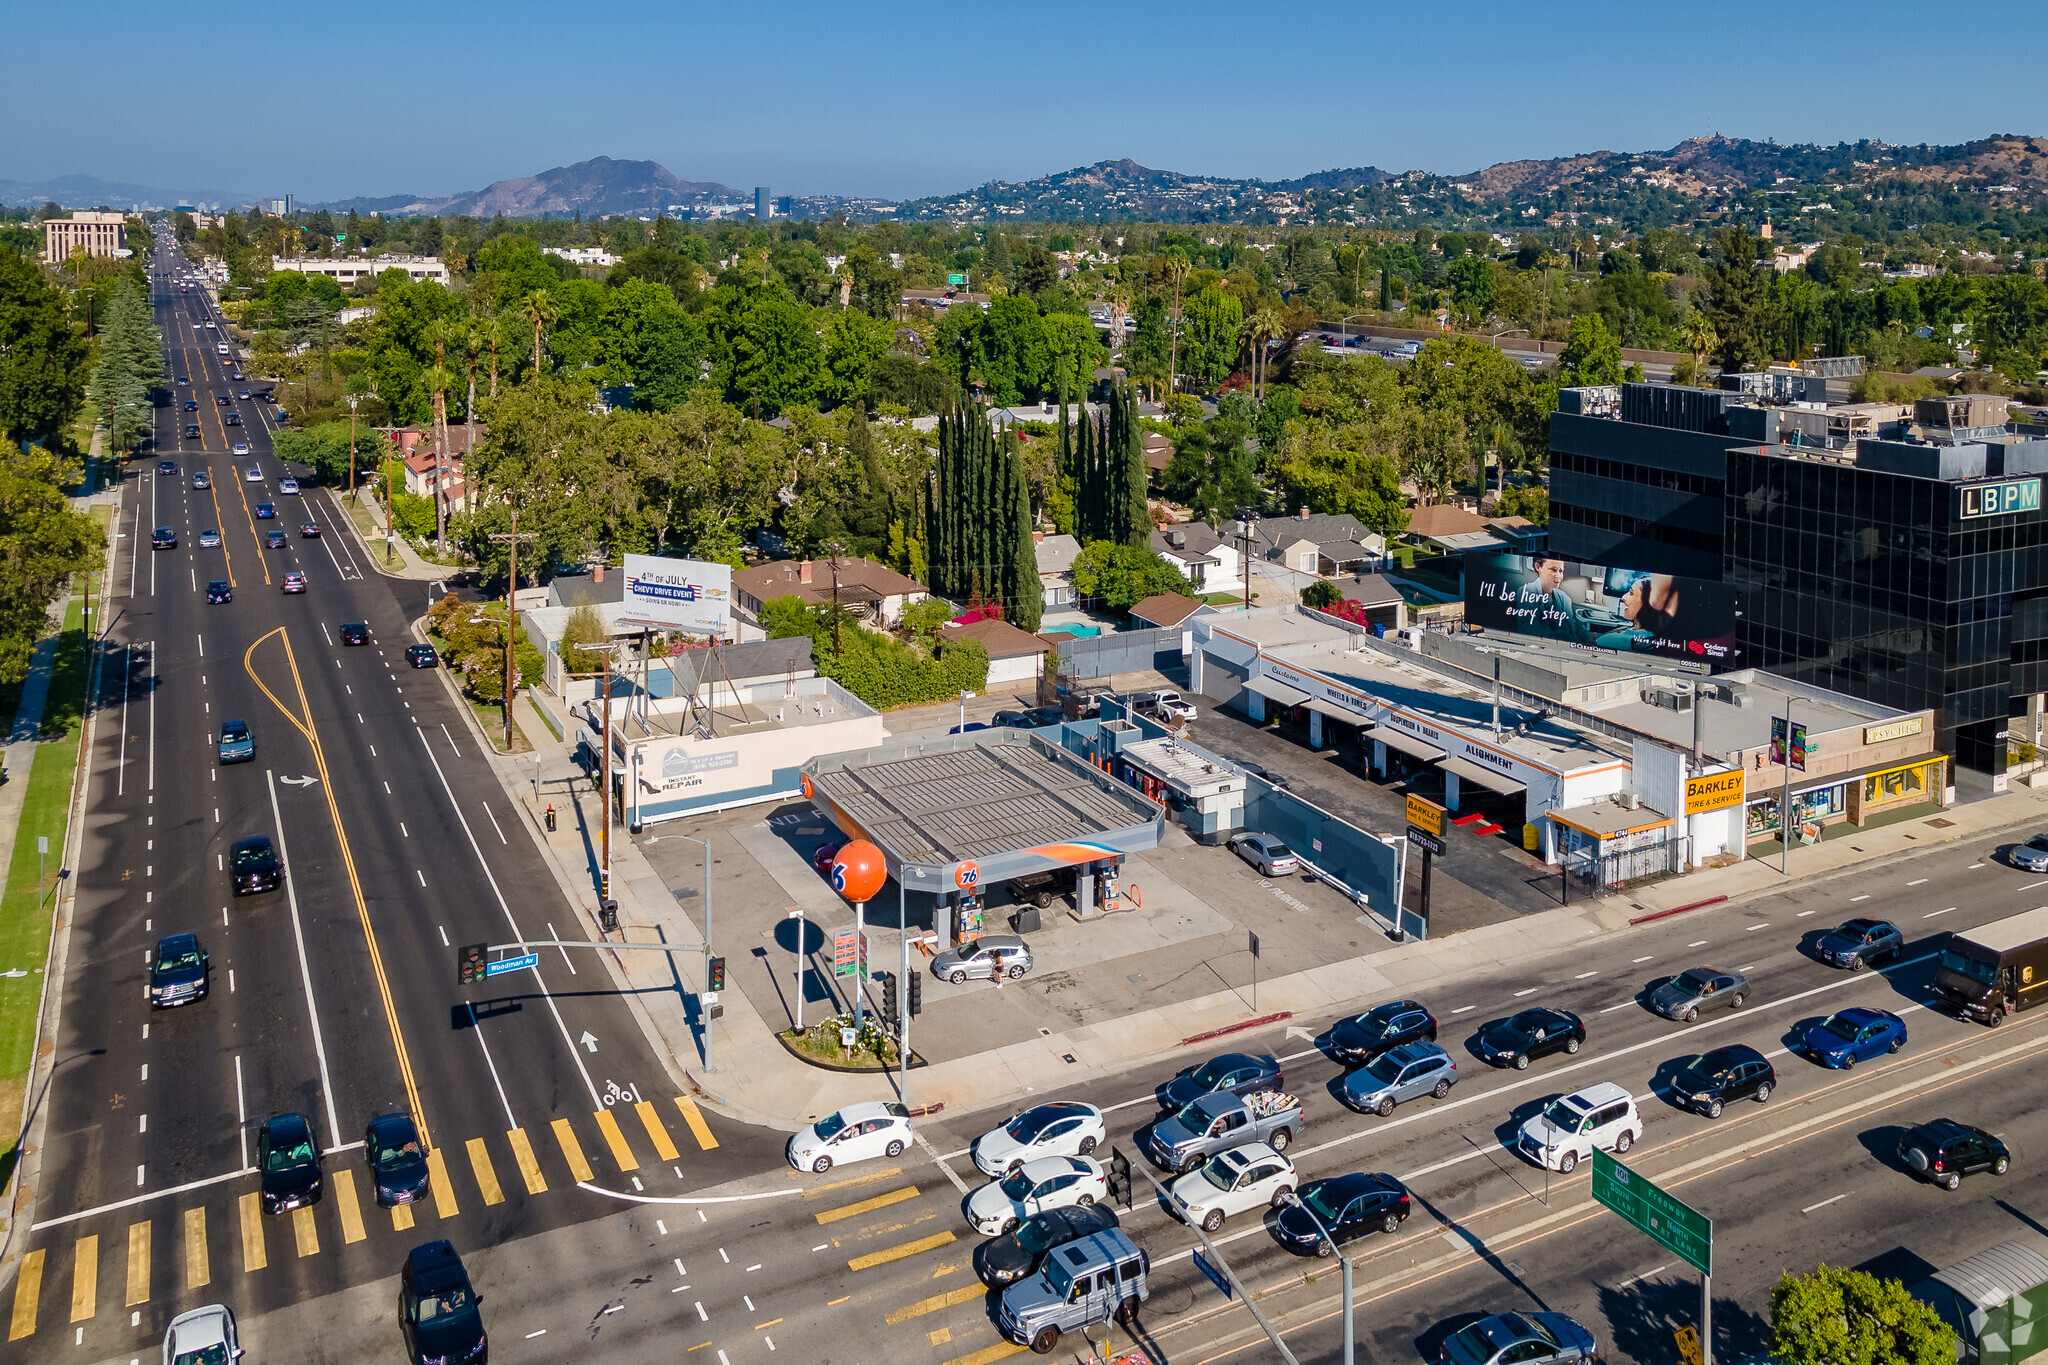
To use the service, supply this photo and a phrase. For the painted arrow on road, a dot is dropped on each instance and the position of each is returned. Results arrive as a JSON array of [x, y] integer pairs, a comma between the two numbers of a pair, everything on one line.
[[1293, 1031], [298, 781], [588, 1042]]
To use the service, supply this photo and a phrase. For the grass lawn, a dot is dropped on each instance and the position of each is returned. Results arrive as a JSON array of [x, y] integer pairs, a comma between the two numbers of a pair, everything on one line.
[[491, 716]]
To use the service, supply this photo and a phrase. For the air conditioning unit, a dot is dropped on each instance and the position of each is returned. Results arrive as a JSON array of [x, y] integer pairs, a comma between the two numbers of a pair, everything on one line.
[[1628, 800], [1671, 699]]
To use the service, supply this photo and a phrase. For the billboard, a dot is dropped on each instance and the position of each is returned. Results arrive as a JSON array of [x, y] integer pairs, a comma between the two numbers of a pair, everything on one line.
[[1589, 604], [678, 594]]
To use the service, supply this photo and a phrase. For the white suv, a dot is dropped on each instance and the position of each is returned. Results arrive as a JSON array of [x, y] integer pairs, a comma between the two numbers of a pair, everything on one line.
[[1237, 1181], [1570, 1127]]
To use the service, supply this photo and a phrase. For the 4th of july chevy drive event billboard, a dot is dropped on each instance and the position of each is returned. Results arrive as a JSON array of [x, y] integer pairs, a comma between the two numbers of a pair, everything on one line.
[[1626, 609], [678, 594]]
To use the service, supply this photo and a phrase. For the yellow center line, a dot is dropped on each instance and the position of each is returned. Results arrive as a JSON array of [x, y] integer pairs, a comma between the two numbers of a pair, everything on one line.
[[307, 728], [759, 1326], [243, 486], [936, 1303], [897, 1253], [880, 1201]]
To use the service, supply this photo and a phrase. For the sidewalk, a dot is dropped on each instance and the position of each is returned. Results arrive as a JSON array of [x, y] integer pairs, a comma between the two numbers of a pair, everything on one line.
[[409, 564]]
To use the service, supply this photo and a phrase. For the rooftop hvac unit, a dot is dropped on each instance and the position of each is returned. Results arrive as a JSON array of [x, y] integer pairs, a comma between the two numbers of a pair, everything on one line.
[[1670, 698], [1177, 539], [1628, 800]]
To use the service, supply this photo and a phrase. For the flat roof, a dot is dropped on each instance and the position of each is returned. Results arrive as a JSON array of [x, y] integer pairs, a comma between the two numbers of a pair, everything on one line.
[[1605, 820], [1271, 630], [1726, 727]]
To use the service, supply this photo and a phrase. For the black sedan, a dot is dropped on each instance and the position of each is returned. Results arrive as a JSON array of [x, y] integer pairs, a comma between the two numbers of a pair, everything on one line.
[[1016, 1254], [1242, 1073], [437, 1308], [1532, 1033], [273, 540], [309, 530], [1858, 943], [177, 972], [1347, 1207], [163, 538], [1699, 988], [355, 633], [191, 405], [166, 466], [1725, 1075], [219, 590], [398, 1168], [253, 863], [289, 1160], [422, 656], [1358, 1040]]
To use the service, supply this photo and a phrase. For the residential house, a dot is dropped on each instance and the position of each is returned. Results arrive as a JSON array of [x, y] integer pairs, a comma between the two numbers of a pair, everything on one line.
[[1158, 455], [1519, 534], [1014, 654], [1319, 543], [426, 477], [1056, 556], [1210, 561], [1382, 601], [1443, 528], [1166, 609], [874, 590]]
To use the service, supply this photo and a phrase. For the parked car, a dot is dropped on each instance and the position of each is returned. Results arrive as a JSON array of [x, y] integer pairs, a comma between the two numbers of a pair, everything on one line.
[[1081, 1284], [1532, 1033], [237, 745], [1041, 888], [1854, 1035], [1053, 1182], [1020, 720], [1265, 852], [1727, 1074], [823, 854], [985, 959], [219, 590], [969, 728], [1219, 1121], [1945, 1151], [1697, 988], [288, 1158], [1041, 717], [1017, 1253], [1403, 1073], [177, 972], [1570, 1128], [1266, 775], [1237, 1181], [294, 582], [1359, 1039], [2031, 856], [1241, 1073], [203, 1336], [1057, 1128], [398, 1167], [1519, 1339], [1858, 943], [422, 656], [253, 865], [857, 1132], [163, 538], [438, 1308], [1347, 1207]]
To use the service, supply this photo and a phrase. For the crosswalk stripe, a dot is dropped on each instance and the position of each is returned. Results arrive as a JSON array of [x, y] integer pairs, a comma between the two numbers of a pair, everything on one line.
[[198, 1269], [254, 1257], [486, 1177], [880, 1201], [437, 1176], [345, 1204], [85, 1277], [401, 1217], [138, 1263], [658, 1135], [988, 1355], [871, 1178], [693, 1116], [572, 1150], [936, 1303], [897, 1253], [529, 1169], [306, 1231], [28, 1287], [616, 1140]]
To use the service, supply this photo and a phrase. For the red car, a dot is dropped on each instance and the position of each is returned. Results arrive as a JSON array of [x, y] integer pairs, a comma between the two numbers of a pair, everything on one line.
[[822, 858]]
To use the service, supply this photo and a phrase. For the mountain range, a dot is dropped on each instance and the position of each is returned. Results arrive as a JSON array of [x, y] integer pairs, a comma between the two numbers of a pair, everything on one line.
[[598, 187], [85, 192]]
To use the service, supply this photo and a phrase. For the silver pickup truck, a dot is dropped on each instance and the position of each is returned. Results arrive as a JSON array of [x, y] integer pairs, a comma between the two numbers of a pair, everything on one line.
[[1217, 1122]]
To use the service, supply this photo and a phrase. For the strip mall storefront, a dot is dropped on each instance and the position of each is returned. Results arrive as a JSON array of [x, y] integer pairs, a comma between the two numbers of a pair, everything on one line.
[[1857, 792]]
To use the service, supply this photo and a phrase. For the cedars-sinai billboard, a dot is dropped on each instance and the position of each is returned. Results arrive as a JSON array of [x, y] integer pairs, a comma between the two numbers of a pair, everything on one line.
[[1588, 604]]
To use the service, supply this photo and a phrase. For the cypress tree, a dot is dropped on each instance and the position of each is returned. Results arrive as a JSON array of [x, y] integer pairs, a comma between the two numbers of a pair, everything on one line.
[[1131, 517], [1026, 607]]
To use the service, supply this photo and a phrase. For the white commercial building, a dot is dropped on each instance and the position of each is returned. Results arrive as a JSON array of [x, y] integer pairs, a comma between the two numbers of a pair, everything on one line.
[[346, 270], [583, 255]]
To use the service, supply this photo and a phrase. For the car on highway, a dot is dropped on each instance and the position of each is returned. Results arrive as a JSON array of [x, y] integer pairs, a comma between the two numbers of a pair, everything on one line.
[[987, 958], [237, 745], [203, 1336], [254, 473], [163, 538], [191, 405], [201, 480], [1519, 1339], [177, 972], [1854, 1035], [1266, 853], [1945, 1151], [221, 400], [192, 434], [398, 1167], [1359, 1039], [1241, 1073], [209, 538], [288, 1158], [1018, 1253], [1347, 1207], [254, 866], [355, 633], [167, 466], [1056, 1128], [294, 582], [1520, 1038], [1711, 1083], [1053, 1182], [241, 447], [1403, 1073], [182, 379], [265, 511], [309, 530], [422, 656], [234, 419], [1237, 1181], [219, 590], [1858, 943], [1601, 1117], [855, 1133], [288, 486], [438, 1309], [273, 540], [243, 395], [2031, 856], [1083, 1284], [1698, 988]]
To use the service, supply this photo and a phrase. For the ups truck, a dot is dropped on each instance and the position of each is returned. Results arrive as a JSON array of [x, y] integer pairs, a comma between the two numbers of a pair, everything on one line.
[[1991, 971]]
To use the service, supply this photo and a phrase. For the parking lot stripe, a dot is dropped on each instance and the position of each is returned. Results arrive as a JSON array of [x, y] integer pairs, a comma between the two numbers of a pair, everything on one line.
[[656, 1134], [305, 1232], [529, 1169], [572, 1150], [935, 1303], [138, 1263], [699, 1129], [437, 1176], [254, 1257], [28, 1287], [897, 1253], [868, 1179], [198, 1269], [880, 1201], [486, 1177], [345, 1204], [614, 1139], [85, 1277]]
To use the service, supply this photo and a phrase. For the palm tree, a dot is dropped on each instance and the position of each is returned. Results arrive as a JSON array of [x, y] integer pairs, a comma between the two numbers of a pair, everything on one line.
[[1700, 339], [472, 344], [495, 337], [1119, 309], [1262, 327], [540, 309], [1177, 269]]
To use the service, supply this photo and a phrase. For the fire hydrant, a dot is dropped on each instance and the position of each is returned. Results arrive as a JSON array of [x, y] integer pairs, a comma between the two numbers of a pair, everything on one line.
[[551, 817]]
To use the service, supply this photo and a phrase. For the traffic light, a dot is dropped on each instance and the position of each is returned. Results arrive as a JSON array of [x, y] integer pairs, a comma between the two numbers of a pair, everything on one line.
[[469, 963], [1119, 1177], [889, 1001], [715, 975], [916, 994], [604, 883]]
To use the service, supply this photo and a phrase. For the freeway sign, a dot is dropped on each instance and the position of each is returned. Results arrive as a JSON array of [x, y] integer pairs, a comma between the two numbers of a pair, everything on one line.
[[1677, 1226], [512, 964]]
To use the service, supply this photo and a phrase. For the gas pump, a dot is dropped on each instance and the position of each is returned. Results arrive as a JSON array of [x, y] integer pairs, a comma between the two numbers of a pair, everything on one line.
[[1112, 890], [968, 920]]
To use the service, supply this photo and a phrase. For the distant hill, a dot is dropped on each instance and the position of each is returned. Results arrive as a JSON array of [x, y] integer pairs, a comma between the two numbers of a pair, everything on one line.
[[85, 192], [597, 187], [1124, 189]]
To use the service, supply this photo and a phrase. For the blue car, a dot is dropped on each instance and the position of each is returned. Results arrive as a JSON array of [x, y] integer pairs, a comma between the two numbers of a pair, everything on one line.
[[237, 745], [1854, 1035]]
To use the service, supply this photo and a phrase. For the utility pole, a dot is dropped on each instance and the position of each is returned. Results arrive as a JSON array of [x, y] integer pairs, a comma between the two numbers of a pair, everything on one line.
[[835, 599], [1248, 518], [511, 629], [1785, 799], [390, 527], [1342, 1259], [604, 779], [353, 399]]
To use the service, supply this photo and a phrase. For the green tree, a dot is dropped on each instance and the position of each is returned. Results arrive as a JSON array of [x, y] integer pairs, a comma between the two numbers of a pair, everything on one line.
[[1213, 318], [651, 343], [1072, 353], [978, 521], [1739, 302], [539, 309], [1849, 1317], [854, 345], [43, 542], [777, 360], [1320, 594], [42, 361], [1591, 355], [1121, 576]]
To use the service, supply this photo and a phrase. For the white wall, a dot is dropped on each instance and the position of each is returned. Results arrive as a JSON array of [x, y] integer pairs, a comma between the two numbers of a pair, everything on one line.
[[1022, 668]]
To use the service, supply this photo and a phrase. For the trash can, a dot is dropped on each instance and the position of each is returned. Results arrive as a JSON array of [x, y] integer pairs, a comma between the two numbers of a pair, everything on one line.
[[1530, 838], [608, 917], [1027, 919]]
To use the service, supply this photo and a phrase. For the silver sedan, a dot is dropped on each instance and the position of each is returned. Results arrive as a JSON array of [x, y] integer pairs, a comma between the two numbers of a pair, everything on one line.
[[1265, 852], [986, 958]]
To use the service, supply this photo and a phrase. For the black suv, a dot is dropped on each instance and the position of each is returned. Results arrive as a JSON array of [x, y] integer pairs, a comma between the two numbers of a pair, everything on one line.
[[1723, 1076], [1858, 943], [1356, 1041], [437, 1309], [1945, 1151], [254, 865]]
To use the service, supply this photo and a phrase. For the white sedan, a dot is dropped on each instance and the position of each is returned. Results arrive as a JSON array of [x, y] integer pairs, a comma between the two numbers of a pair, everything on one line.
[[1054, 1182], [855, 1133], [1237, 1181], [1061, 1128]]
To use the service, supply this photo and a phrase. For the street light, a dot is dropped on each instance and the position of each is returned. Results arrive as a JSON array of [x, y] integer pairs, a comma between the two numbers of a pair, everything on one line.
[[1494, 339], [1343, 1260], [1346, 326]]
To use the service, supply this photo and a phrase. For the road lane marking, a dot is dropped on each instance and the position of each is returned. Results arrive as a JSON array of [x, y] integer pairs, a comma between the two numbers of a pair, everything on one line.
[[935, 1304], [1754, 927], [85, 1277], [486, 1176], [291, 893], [693, 1116], [345, 1204], [616, 1140], [254, 1256], [138, 1263], [305, 1231], [1918, 881], [572, 1151], [1531, 991], [198, 1271], [897, 1253], [1932, 914], [1639, 961], [529, 1169], [880, 1201], [1825, 1202], [1864, 897], [1462, 1009], [437, 1176], [819, 1191], [664, 1147]]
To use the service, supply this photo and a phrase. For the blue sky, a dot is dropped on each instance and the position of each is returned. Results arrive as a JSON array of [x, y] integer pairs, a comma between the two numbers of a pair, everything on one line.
[[901, 99]]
